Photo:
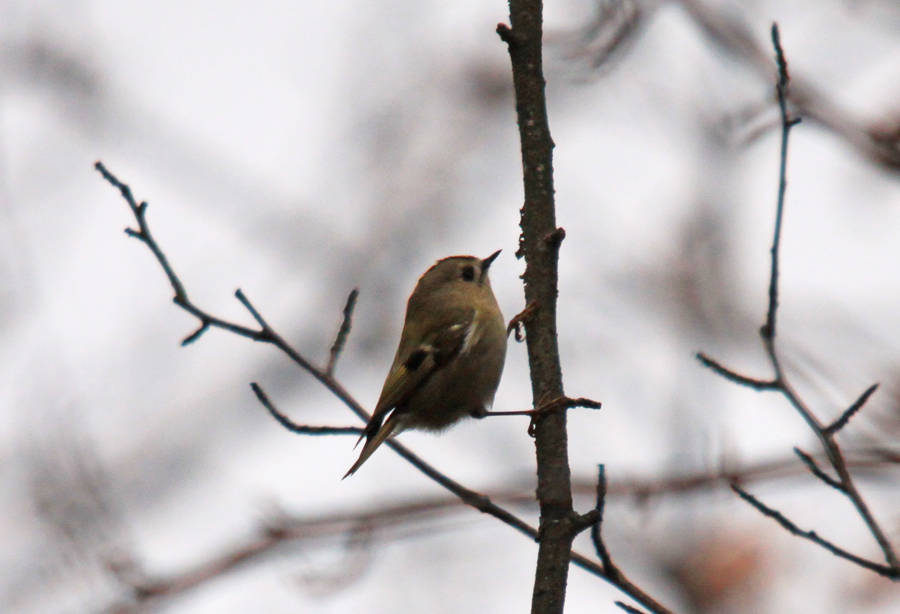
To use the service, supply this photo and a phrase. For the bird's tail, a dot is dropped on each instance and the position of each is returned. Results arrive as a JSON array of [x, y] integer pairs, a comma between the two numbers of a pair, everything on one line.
[[390, 427]]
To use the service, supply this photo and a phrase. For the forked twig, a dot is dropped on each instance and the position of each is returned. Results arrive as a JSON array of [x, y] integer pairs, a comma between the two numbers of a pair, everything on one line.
[[826, 433]]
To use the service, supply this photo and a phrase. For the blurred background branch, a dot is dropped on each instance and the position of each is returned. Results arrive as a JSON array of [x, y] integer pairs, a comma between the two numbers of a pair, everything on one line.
[[403, 521]]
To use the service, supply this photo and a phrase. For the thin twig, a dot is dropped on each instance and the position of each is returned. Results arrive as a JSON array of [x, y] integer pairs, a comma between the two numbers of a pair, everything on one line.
[[734, 376], [300, 429], [562, 403], [844, 418], [615, 575], [817, 471], [597, 529], [143, 234], [768, 330], [343, 332], [847, 485], [882, 570], [582, 402], [558, 404], [239, 294]]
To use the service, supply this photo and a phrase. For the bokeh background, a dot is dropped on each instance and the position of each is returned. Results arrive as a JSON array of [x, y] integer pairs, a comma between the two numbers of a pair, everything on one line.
[[297, 150]]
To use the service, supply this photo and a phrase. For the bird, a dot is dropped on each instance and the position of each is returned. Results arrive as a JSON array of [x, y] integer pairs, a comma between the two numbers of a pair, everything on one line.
[[450, 357]]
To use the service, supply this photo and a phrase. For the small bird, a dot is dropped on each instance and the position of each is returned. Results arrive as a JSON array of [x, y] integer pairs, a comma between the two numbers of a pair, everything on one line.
[[450, 358]]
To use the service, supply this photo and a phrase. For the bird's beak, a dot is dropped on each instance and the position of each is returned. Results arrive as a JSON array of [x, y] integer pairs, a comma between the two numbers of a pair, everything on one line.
[[487, 261]]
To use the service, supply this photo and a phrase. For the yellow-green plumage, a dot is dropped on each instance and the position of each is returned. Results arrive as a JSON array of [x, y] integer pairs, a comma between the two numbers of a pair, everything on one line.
[[450, 357]]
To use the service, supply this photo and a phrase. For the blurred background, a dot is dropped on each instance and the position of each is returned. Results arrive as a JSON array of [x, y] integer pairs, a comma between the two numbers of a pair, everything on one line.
[[297, 150]]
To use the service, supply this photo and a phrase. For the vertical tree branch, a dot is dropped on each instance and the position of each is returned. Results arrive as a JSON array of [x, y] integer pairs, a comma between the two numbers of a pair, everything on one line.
[[539, 243]]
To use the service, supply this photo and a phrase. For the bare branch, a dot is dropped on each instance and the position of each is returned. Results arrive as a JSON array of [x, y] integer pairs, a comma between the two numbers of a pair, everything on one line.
[[239, 294], [882, 570], [343, 332], [842, 421], [613, 573], [597, 529], [558, 404], [768, 329], [817, 471], [733, 376], [143, 232], [147, 593], [844, 482], [204, 326], [582, 402], [300, 428], [539, 243]]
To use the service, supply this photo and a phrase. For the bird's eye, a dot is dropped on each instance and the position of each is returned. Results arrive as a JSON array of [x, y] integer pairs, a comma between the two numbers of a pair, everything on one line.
[[468, 273]]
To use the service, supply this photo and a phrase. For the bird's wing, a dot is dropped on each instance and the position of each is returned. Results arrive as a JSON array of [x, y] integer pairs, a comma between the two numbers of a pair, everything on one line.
[[421, 364], [409, 376]]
